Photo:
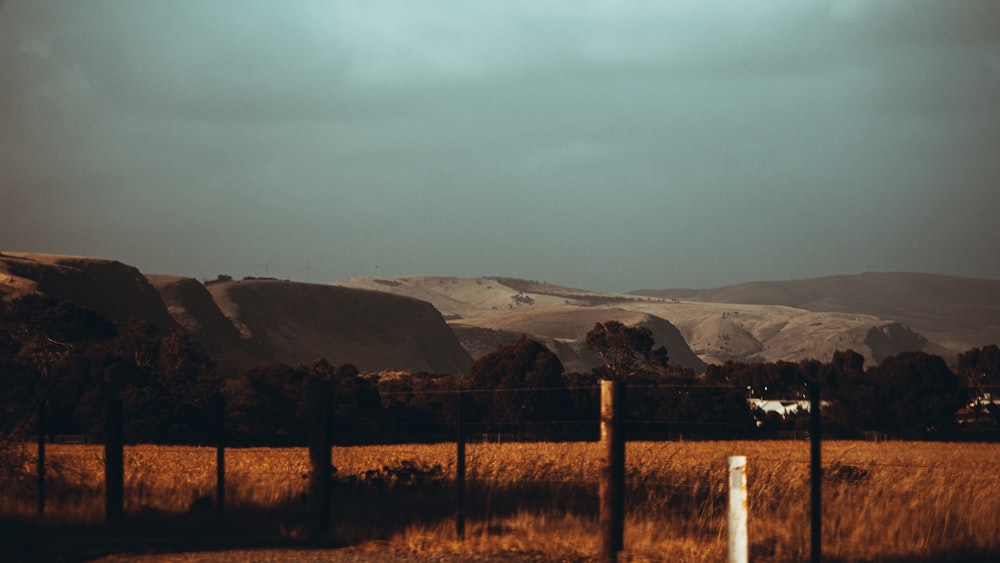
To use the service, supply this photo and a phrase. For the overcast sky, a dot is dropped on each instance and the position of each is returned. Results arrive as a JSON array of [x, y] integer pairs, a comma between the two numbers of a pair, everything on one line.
[[608, 145]]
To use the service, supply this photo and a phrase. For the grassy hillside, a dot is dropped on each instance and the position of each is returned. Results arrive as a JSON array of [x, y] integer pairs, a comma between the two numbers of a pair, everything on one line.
[[481, 310], [251, 322], [117, 291], [954, 312], [297, 322]]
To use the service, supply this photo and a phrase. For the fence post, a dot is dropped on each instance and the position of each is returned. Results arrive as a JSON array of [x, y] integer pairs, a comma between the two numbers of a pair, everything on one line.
[[816, 475], [320, 458], [738, 509], [41, 457], [612, 486], [219, 406], [114, 462], [460, 471]]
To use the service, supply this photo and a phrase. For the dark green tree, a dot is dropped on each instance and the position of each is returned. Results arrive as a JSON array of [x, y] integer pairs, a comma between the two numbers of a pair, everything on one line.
[[45, 343], [276, 404], [519, 387], [853, 395], [420, 407], [356, 402], [918, 394], [625, 351], [267, 405], [679, 403]]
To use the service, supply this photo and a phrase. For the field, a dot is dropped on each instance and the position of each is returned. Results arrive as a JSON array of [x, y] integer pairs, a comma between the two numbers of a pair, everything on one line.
[[888, 501]]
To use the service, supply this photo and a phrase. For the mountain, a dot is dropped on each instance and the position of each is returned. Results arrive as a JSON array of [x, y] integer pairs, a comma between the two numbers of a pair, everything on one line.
[[953, 312]]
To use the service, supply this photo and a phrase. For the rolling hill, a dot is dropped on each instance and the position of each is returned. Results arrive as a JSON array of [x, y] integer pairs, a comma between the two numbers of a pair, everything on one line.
[[296, 323], [251, 322], [953, 312], [485, 311], [441, 324]]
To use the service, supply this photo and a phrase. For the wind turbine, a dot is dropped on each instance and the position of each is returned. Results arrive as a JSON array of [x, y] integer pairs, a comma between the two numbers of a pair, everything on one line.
[[308, 270], [266, 267]]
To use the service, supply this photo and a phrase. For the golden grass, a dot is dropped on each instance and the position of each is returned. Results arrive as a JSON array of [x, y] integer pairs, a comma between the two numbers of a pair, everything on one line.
[[881, 500]]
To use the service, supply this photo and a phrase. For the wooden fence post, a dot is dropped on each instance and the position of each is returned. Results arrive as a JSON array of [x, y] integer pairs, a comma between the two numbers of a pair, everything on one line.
[[320, 458], [114, 462], [460, 471], [219, 406], [738, 509], [816, 475], [612, 486], [41, 457]]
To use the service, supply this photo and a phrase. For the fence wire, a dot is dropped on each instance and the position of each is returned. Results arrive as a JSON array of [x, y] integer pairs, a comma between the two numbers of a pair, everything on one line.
[[423, 478]]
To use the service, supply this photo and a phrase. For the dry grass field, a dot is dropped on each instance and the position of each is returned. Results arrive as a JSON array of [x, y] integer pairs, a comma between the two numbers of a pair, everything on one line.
[[889, 501]]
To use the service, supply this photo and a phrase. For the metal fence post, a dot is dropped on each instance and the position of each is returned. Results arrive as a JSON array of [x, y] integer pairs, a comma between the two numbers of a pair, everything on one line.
[[41, 457], [738, 510], [219, 405], [816, 475], [114, 463], [320, 458], [460, 471]]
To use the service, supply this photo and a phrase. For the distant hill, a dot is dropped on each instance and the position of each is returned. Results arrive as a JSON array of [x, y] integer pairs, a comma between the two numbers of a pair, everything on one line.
[[483, 311], [953, 312], [251, 322], [298, 322], [192, 306], [564, 330], [441, 324], [117, 291], [488, 312]]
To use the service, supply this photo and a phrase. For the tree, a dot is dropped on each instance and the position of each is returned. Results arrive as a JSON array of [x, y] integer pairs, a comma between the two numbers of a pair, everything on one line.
[[419, 407], [626, 351], [853, 396], [526, 386], [165, 384], [266, 406], [275, 404], [918, 394], [45, 343], [979, 370]]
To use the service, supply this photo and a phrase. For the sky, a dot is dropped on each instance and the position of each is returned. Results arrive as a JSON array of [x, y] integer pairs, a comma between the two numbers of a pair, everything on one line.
[[607, 145]]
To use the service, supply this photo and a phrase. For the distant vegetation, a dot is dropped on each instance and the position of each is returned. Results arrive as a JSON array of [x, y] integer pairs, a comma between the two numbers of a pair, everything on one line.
[[525, 287], [221, 278], [72, 360]]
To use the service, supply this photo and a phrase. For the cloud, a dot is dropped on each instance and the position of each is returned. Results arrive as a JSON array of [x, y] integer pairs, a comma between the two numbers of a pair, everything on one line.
[[469, 129]]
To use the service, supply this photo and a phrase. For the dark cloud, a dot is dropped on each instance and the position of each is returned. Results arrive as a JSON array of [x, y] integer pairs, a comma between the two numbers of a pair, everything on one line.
[[604, 144]]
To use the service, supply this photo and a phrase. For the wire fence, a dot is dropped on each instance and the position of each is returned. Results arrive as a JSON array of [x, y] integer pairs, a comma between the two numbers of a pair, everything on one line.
[[897, 489]]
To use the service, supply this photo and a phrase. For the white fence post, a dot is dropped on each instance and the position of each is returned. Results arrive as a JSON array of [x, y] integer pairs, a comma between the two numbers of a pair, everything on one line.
[[738, 538]]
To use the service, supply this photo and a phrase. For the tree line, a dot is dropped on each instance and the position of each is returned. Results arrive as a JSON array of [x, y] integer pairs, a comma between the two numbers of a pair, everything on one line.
[[70, 361]]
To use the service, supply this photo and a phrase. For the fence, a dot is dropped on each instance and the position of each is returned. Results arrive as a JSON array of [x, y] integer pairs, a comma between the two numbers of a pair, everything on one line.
[[469, 486]]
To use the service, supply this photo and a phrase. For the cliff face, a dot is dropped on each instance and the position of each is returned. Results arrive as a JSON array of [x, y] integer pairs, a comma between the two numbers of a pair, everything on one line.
[[298, 322], [115, 290], [251, 322], [192, 307]]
